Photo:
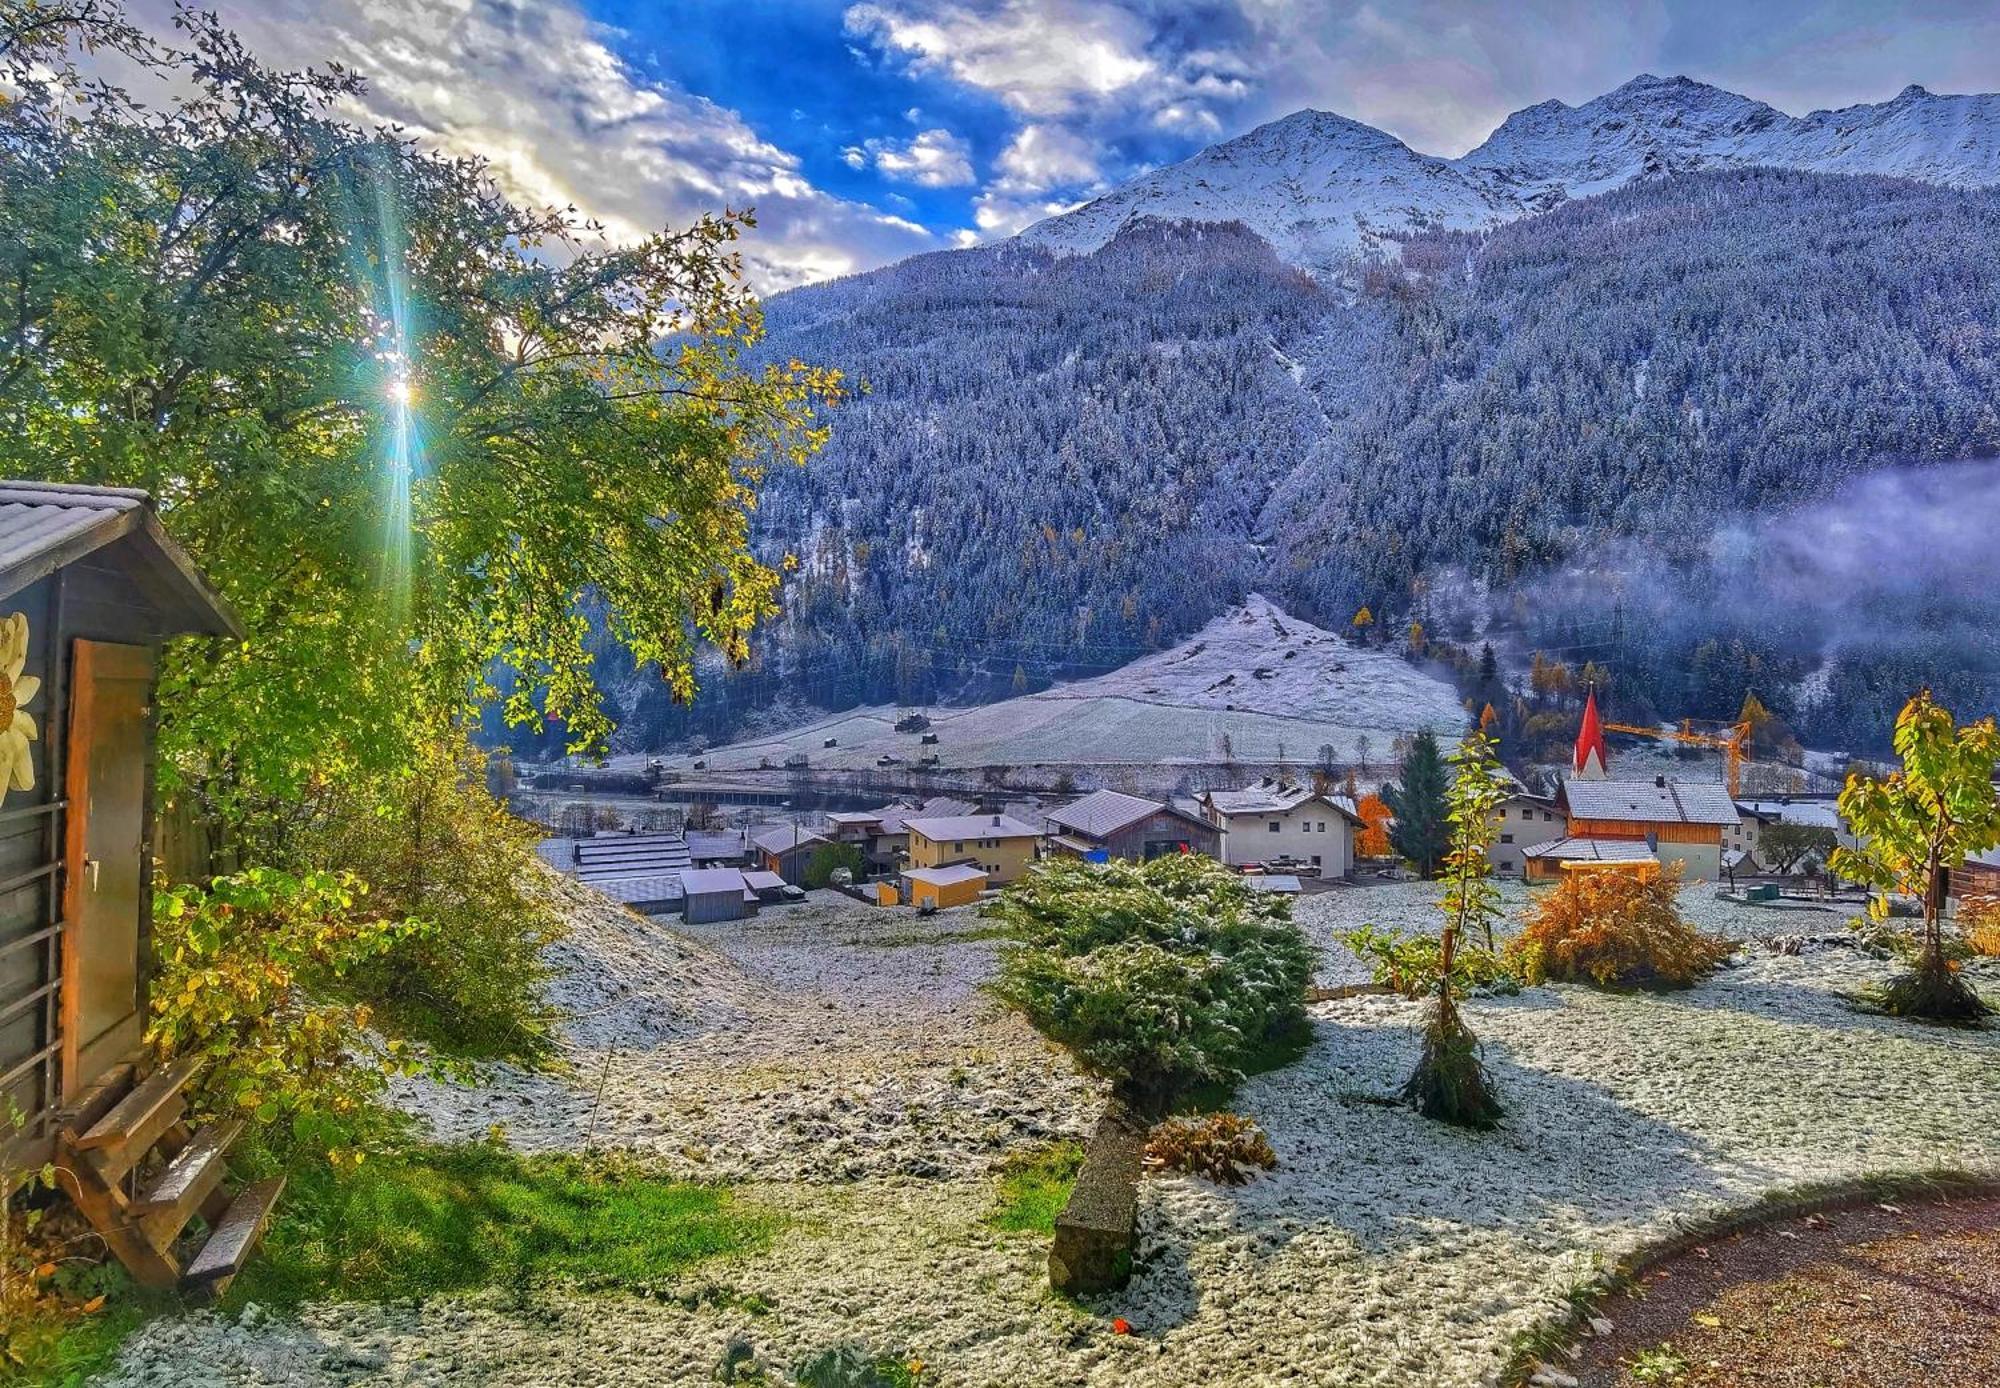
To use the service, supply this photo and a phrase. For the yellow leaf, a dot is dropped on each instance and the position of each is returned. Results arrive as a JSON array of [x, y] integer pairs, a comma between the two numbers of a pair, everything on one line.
[[94, 1304], [1712, 1322], [46, 1270]]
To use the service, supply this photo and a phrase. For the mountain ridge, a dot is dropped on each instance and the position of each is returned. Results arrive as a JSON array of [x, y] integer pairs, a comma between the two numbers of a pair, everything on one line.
[[1321, 187]]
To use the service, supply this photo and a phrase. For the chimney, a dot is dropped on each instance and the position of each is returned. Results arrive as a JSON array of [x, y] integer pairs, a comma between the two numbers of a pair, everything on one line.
[[996, 821], [1660, 781]]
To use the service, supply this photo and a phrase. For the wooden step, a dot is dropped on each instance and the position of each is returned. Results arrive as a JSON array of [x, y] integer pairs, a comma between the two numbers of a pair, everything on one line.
[[119, 1140], [164, 1208], [234, 1237], [114, 1084]]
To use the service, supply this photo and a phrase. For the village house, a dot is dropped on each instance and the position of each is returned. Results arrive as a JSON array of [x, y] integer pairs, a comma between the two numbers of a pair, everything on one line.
[[1523, 821], [785, 849], [883, 835], [1107, 824], [1000, 845], [1978, 876], [1676, 821], [1275, 819]]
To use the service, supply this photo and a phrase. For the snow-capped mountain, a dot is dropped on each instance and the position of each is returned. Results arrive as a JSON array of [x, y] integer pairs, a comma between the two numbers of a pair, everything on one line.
[[1320, 187]]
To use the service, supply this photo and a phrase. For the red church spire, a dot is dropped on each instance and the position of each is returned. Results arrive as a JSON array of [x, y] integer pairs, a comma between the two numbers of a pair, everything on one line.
[[1591, 758]]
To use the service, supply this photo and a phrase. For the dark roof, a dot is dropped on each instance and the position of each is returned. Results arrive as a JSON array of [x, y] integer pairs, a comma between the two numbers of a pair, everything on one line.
[[1662, 800], [781, 839], [46, 525]]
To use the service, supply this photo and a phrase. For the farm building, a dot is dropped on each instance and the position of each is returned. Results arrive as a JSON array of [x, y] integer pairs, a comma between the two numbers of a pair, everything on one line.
[[883, 835], [90, 587], [939, 887], [1677, 820], [642, 871], [999, 844], [1275, 819], [1979, 875], [1106, 824], [717, 894]]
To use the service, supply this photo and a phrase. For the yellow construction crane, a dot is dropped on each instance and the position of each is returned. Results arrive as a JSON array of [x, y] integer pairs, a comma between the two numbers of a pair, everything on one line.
[[1733, 742]]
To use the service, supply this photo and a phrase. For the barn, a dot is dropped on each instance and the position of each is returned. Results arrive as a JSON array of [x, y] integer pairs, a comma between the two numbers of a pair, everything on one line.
[[90, 588]]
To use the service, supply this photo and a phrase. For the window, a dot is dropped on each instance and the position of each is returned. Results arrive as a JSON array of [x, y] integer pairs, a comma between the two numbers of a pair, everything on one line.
[[1506, 838], [1548, 816], [1274, 826], [958, 847], [1322, 826], [1315, 860]]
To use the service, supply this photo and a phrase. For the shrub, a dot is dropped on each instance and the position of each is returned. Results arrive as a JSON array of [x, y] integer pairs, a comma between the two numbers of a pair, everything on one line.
[[829, 858], [1408, 964], [434, 846], [246, 970], [1617, 930], [1158, 976], [1222, 1147], [1979, 923]]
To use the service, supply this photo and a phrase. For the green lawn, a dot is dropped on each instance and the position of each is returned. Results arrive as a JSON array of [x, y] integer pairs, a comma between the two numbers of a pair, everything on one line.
[[1035, 1187], [445, 1219]]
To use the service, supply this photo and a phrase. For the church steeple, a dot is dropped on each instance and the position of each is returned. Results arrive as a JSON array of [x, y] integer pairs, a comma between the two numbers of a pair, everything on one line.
[[1591, 761]]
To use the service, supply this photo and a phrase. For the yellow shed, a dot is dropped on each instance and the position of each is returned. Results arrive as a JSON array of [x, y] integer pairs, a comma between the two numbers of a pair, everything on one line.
[[958, 885]]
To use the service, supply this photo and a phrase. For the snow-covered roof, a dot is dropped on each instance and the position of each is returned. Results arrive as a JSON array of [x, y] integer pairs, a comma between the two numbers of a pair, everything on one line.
[[712, 881], [945, 876], [1104, 812], [1662, 800], [1270, 797], [1821, 814], [973, 826], [1591, 850], [853, 817], [710, 845], [763, 881]]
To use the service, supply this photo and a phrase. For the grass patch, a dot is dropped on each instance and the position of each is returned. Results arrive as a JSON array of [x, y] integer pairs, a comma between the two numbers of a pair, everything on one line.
[[61, 1352], [442, 1219], [1281, 1048], [1034, 1187]]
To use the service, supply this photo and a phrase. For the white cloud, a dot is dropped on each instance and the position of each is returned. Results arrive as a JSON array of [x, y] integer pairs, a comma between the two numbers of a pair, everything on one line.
[[1041, 57], [930, 158], [1047, 156], [538, 90]]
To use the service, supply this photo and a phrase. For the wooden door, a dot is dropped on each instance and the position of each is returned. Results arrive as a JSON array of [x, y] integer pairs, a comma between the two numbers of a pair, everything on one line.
[[104, 857]]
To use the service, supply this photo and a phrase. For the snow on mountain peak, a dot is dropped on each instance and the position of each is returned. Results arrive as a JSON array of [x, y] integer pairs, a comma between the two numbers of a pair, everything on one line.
[[1320, 186]]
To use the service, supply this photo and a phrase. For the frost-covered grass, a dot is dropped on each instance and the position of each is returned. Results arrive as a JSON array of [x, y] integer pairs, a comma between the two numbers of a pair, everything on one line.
[[1383, 1250], [1254, 685]]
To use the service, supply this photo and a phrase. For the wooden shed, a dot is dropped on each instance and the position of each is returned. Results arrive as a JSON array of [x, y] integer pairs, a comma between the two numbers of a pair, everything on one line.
[[90, 586]]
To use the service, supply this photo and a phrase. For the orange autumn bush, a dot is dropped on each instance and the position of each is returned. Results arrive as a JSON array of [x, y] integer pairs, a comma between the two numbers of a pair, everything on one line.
[[1979, 923], [1616, 930], [1372, 839]]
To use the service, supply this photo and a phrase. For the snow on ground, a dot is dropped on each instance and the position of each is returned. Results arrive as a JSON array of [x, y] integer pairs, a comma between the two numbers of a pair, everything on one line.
[[1385, 1250], [1269, 684]]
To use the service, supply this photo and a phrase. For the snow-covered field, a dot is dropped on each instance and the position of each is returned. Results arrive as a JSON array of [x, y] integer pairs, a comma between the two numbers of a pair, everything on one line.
[[1254, 685], [1385, 1250]]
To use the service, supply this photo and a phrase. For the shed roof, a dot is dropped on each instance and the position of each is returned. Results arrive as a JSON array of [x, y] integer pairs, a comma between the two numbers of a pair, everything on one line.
[[974, 826], [783, 838], [46, 525], [763, 881], [1662, 800], [945, 876], [1104, 812], [1591, 850], [713, 882]]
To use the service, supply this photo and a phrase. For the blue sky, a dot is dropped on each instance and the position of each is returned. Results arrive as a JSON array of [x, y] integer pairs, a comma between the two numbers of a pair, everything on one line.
[[866, 130]]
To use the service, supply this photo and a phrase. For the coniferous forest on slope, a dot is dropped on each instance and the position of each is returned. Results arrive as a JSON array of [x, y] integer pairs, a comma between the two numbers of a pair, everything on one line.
[[1064, 462]]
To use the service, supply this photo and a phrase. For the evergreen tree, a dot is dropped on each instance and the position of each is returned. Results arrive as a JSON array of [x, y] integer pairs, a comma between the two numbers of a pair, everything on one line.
[[1420, 833]]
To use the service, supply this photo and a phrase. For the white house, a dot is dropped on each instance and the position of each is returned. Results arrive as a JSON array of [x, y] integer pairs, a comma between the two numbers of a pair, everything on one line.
[[1522, 822], [1272, 819]]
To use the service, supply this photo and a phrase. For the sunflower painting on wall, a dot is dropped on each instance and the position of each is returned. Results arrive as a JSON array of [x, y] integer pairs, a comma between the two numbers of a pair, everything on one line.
[[17, 725]]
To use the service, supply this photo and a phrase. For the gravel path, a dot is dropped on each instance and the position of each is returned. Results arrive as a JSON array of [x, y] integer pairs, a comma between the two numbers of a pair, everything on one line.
[[1385, 1250], [1879, 1296]]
